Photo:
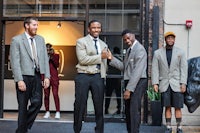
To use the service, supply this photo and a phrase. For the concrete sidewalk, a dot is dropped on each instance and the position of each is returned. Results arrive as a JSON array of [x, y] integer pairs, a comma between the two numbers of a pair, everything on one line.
[[190, 121]]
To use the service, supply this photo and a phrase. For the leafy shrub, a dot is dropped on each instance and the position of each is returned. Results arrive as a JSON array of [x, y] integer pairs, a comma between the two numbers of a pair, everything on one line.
[[152, 95]]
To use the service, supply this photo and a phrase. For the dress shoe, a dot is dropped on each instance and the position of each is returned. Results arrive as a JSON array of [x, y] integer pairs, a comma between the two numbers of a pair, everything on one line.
[[178, 130], [168, 130], [57, 115], [47, 115]]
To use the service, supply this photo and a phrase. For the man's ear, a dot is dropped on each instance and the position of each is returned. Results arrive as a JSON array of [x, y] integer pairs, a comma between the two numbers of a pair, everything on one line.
[[88, 30], [26, 25]]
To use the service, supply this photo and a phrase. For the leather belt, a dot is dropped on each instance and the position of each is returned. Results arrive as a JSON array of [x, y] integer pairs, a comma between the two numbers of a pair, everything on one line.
[[37, 70], [87, 72]]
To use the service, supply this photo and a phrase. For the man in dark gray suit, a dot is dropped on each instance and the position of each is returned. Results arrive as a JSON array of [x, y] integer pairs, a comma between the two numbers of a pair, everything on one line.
[[91, 52], [29, 62], [134, 68]]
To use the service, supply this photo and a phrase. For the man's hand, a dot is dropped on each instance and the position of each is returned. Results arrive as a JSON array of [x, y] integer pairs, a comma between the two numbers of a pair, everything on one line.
[[46, 83], [104, 53], [127, 94], [110, 56], [183, 88], [155, 87], [21, 85]]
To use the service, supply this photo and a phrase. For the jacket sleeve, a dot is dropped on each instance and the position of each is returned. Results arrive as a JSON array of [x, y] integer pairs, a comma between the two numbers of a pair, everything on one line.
[[155, 69], [184, 69], [140, 67], [117, 63], [46, 61], [15, 60]]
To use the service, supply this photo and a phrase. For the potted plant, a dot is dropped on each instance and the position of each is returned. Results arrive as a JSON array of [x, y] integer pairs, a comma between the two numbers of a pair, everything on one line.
[[156, 107]]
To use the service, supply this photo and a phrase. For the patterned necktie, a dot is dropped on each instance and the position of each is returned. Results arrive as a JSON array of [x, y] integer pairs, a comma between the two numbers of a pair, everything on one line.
[[35, 59], [95, 44]]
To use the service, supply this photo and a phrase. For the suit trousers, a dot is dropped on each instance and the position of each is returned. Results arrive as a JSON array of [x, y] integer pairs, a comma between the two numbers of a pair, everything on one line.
[[84, 83], [133, 106], [54, 86], [33, 93]]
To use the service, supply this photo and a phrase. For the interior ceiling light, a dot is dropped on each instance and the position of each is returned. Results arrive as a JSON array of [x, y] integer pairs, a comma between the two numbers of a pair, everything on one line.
[[59, 24]]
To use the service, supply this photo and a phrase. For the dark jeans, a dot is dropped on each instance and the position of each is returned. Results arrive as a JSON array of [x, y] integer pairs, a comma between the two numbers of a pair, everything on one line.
[[84, 83], [33, 93]]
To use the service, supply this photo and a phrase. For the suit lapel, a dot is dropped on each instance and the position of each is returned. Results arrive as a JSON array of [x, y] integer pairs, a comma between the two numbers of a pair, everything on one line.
[[131, 55], [164, 57], [102, 46], [26, 44], [91, 43], [37, 41], [174, 53]]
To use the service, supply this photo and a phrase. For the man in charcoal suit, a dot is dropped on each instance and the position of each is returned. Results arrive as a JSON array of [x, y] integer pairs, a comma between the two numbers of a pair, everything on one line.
[[134, 68]]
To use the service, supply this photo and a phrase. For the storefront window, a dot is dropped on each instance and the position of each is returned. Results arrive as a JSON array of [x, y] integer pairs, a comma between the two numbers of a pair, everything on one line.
[[116, 15], [44, 8]]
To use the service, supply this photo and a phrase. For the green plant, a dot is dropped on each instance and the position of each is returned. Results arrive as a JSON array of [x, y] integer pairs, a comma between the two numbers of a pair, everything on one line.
[[152, 95]]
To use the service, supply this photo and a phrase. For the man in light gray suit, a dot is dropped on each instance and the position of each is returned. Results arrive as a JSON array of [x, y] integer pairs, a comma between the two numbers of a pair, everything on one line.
[[29, 62], [91, 71], [169, 76], [134, 68]]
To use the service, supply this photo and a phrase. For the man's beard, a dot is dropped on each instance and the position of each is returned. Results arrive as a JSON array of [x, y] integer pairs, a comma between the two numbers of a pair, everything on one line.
[[169, 46]]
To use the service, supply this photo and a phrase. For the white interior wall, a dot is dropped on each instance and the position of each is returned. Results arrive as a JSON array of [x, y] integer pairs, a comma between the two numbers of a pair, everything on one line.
[[66, 93], [177, 12]]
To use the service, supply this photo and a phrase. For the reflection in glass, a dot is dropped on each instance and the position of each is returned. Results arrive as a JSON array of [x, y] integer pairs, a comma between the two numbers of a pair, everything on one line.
[[116, 15], [46, 8]]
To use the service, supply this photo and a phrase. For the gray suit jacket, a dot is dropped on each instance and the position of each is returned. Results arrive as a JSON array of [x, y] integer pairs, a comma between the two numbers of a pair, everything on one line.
[[163, 75], [134, 66], [21, 57], [87, 57]]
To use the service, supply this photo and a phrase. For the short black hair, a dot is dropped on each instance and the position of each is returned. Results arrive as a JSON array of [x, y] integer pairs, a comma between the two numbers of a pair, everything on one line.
[[49, 45], [124, 32], [92, 21], [27, 20], [116, 50]]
